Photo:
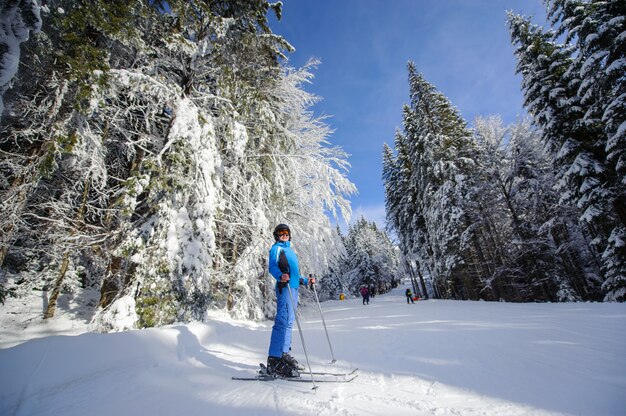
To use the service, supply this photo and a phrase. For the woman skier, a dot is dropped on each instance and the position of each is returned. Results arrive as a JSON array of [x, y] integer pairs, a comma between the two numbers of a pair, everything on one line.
[[283, 265]]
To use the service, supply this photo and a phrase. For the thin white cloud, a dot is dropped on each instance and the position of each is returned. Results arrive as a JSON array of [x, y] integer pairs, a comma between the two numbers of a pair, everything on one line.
[[374, 213]]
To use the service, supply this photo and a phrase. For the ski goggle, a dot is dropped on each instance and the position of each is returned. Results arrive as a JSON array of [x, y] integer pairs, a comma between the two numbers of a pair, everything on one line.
[[282, 232]]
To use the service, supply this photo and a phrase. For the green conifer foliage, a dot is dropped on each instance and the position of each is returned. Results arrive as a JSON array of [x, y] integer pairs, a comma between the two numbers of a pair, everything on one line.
[[575, 97]]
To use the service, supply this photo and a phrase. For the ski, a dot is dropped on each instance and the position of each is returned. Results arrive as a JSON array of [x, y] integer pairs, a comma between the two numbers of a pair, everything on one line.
[[324, 373], [263, 372], [323, 380], [265, 377]]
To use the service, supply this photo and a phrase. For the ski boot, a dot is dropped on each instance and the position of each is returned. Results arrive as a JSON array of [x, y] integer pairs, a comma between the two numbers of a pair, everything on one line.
[[280, 368], [292, 362]]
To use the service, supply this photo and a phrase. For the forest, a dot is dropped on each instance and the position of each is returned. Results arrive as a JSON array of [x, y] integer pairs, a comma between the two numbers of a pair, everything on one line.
[[534, 211], [148, 148]]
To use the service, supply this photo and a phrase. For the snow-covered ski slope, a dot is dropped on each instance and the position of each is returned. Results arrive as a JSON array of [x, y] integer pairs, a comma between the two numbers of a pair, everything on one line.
[[431, 358]]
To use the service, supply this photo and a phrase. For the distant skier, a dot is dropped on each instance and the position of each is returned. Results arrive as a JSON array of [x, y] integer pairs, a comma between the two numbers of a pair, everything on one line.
[[365, 293], [409, 296]]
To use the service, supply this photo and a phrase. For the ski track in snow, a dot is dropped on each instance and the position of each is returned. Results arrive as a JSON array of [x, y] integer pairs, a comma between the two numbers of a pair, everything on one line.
[[436, 358]]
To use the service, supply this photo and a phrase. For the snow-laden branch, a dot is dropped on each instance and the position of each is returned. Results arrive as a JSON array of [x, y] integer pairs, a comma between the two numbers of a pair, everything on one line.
[[17, 20]]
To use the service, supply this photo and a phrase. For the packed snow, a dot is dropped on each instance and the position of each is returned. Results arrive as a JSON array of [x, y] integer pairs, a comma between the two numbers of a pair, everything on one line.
[[434, 357]]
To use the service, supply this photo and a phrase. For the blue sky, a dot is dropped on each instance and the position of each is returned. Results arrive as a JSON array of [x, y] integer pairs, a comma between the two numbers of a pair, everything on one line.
[[460, 46]]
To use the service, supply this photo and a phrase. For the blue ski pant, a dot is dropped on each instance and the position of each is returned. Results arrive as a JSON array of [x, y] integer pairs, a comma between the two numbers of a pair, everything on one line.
[[283, 323]]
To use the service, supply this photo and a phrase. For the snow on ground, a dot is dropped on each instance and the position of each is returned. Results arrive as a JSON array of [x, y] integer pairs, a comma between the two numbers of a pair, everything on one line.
[[432, 358]]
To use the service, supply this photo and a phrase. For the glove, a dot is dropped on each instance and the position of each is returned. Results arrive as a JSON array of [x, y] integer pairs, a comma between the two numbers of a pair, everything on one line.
[[302, 282], [311, 280], [281, 286]]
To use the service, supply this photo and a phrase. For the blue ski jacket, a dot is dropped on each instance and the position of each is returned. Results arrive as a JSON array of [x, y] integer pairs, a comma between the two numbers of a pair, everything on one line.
[[283, 259]]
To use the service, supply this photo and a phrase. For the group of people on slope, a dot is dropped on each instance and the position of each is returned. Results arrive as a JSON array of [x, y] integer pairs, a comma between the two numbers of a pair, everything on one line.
[[368, 292]]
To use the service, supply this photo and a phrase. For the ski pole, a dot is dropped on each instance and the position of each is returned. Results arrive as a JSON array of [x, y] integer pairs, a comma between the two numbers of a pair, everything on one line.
[[293, 307], [332, 354]]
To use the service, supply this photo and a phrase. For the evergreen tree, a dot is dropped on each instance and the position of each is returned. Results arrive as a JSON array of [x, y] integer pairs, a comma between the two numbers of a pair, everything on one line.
[[54, 187], [570, 90], [477, 212], [538, 258], [441, 153], [371, 257], [17, 19], [401, 197], [334, 282], [597, 28]]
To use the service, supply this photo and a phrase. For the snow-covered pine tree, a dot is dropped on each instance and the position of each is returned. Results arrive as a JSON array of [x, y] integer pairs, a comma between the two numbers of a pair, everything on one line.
[[478, 214], [264, 141], [488, 230], [290, 175], [401, 204], [441, 150], [554, 77], [372, 258], [394, 186], [314, 175], [17, 19], [538, 258], [55, 190], [333, 283], [570, 266], [598, 31], [400, 197]]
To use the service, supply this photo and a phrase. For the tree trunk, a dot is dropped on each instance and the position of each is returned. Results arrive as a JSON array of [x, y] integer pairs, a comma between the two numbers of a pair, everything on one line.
[[412, 277], [52, 303], [422, 283], [66, 260], [230, 300], [516, 221], [110, 286]]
